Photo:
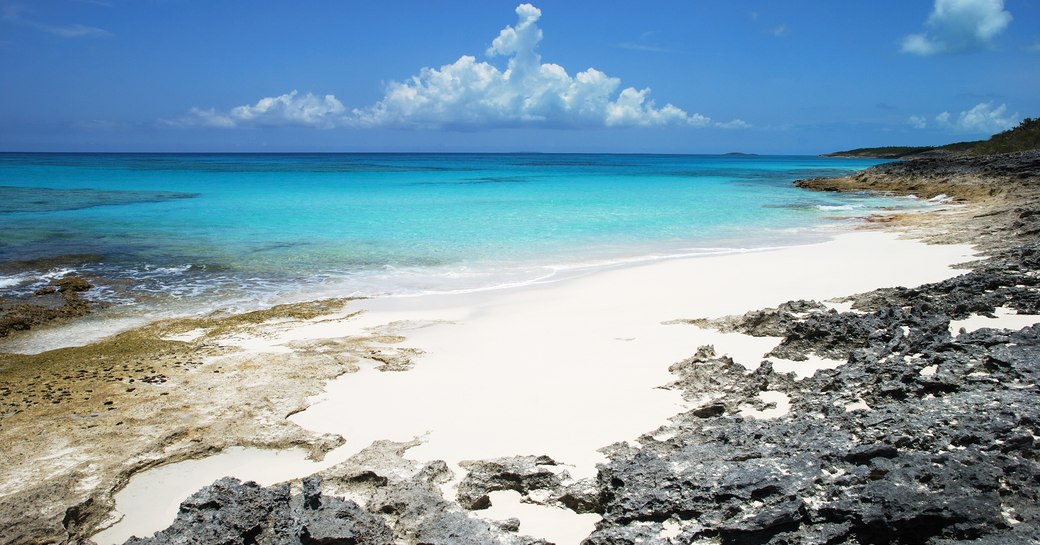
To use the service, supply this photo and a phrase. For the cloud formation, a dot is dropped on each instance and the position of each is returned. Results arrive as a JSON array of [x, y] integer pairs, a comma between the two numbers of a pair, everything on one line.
[[472, 94], [981, 119], [959, 26], [288, 109], [13, 14]]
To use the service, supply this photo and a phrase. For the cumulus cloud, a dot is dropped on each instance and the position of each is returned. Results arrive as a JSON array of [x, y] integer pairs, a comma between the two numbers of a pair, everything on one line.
[[984, 118], [918, 121], [959, 26], [288, 109], [472, 94]]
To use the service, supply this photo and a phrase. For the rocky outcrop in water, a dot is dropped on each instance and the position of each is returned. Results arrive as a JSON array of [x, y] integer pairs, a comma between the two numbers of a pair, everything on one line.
[[61, 299]]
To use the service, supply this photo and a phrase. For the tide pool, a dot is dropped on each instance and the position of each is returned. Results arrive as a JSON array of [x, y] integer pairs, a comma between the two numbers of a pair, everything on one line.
[[172, 233]]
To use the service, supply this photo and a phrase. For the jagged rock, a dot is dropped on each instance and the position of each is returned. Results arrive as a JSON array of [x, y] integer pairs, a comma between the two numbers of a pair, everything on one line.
[[407, 495], [873, 451], [229, 511], [523, 474], [939, 459]]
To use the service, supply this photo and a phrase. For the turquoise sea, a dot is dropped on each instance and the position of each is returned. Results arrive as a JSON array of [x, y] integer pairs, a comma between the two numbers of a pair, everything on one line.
[[173, 233]]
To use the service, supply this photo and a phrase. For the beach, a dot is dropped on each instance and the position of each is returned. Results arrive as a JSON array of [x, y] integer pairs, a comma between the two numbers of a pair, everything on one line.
[[427, 395]]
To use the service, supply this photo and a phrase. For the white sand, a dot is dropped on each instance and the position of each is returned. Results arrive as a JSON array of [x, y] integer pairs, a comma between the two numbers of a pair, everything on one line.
[[563, 369], [150, 500], [1004, 318]]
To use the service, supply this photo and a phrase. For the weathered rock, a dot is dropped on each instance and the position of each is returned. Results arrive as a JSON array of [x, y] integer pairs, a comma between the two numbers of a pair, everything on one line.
[[523, 474], [58, 301], [876, 450], [938, 458], [229, 511]]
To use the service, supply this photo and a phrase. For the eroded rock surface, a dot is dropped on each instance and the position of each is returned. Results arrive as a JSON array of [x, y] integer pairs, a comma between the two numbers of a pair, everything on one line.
[[538, 479], [922, 437], [62, 299], [392, 500]]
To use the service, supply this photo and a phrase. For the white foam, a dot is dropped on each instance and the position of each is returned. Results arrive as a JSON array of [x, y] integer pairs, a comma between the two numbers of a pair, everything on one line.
[[13, 280]]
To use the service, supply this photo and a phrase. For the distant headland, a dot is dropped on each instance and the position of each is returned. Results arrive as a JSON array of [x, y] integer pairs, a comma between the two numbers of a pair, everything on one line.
[[1024, 137]]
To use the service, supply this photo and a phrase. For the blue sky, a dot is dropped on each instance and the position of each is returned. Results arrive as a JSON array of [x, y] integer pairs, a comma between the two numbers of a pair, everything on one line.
[[693, 76]]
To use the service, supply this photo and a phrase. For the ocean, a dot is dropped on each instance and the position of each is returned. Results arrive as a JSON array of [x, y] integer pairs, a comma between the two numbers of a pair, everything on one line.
[[177, 234]]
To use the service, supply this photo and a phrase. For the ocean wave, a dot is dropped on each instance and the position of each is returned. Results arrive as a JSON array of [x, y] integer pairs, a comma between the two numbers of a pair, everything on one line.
[[14, 280], [838, 207]]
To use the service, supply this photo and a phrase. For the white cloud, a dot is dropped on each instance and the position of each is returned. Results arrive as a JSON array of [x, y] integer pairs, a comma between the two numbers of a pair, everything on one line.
[[472, 94], [983, 118], [73, 31], [13, 14], [734, 124], [288, 109], [959, 26]]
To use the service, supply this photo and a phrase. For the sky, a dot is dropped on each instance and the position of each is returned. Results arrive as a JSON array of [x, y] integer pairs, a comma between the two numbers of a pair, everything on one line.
[[657, 76]]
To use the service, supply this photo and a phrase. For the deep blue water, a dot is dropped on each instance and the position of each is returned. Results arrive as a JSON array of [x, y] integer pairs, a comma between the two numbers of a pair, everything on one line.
[[247, 229]]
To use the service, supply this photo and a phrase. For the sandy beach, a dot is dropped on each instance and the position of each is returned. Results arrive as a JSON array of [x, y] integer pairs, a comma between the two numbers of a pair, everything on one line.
[[573, 411], [560, 369]]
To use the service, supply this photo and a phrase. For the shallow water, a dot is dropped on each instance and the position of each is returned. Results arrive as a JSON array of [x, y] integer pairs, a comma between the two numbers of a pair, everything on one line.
[[173, 234]]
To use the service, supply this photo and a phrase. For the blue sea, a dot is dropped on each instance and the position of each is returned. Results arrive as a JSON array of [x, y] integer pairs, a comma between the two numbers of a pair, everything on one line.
[[169, 234]]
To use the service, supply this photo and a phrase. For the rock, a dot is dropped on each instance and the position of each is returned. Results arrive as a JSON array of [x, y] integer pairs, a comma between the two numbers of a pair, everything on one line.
[[523, 474], [229, 511], [407, 495], [72, 283], [937, 459], [509, 525], [709, 411], [58, 301]]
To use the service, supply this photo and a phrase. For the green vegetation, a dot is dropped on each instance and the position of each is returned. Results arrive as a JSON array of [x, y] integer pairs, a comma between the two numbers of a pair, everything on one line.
[[1026, 136], [885, 152]]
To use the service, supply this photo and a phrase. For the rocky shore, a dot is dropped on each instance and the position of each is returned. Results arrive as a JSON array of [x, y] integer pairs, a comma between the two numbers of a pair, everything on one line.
[[924, 436], [61, 299]]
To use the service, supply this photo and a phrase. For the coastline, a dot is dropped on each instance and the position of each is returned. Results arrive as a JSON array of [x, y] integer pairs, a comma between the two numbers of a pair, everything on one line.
[[565, 369], [628, 328]]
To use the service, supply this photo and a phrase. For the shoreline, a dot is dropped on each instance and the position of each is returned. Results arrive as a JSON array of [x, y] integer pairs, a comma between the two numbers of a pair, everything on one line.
[[640, 336], [398, 349], [96, 323]]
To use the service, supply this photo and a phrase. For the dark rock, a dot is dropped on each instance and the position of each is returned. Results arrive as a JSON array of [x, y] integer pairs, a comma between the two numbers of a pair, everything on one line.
[[943, 457], [864, 455], [709, 411], [229, 511]]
